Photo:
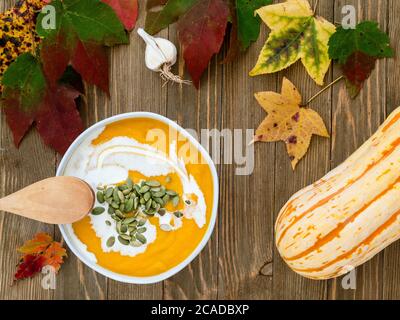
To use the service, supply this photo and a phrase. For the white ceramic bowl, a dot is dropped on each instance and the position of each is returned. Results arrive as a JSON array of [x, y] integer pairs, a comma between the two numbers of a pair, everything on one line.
[[83, 255]]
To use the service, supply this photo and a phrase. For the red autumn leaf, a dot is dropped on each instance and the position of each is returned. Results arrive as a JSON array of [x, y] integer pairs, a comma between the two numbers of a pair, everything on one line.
[[28, 98], [58, 120], [29, 266], [357, 69], [39, 252], [126, 10], [201, 32]]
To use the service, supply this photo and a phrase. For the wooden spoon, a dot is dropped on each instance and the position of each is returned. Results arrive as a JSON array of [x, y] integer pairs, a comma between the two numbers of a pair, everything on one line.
[[57, 200]]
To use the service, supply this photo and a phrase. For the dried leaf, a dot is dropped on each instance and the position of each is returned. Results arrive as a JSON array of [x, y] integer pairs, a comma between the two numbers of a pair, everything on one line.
[[289, 122], [39, 252], [295, 34]]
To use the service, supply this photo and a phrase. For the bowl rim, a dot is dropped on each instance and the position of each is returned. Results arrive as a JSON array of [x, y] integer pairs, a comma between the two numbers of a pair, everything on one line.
[[171, 272]]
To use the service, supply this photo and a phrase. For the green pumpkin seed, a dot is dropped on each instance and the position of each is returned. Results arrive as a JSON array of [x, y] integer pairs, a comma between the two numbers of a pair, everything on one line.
[[154, 204], [142, 230], [134, 224], [100, 196], [159, 194], [108, 223], [151, 212], [121, 196], [122, 207], [108, 200], [115, 195], [157, 189], [165, 199], [148, 204], [136, 243], [115, 205], [141, 222], [178, 214], [97, 211], [159, 201], [100, 187], [119, 214], [124, 228], [126, 192], [153, 183], [129, 205], [129, 220], [142, 201], [123, 241], [118, 226], [144, 189], [137, 189], [110, 242], [188, 202], [132, 229], [141, 238], [109, 192], [175, 201], [135, 203], [129, 183], [111, 210], [171, 193], [147, 196]]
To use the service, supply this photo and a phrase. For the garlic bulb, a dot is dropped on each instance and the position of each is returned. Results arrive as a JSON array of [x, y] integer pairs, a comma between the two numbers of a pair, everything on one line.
[[160, 56]]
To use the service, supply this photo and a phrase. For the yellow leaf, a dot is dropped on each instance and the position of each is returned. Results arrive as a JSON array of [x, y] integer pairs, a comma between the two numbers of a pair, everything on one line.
[[289, 122], [296, 33]]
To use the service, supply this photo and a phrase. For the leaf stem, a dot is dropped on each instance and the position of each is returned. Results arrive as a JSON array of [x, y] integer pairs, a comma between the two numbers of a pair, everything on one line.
[[323, 90]]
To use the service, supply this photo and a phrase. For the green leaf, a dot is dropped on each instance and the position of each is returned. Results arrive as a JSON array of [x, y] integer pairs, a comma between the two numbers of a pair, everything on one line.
[[248, 22], [295, 34], [25, 76], [173, 9], [90, 20], [366, 38]]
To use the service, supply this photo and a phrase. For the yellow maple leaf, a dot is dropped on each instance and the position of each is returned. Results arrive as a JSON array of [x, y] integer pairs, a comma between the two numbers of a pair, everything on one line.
[[38, 244], [296, 33], [289, 122]]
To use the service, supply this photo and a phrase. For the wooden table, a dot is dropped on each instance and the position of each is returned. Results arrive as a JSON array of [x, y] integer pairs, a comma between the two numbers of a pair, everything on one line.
[[240, 261]]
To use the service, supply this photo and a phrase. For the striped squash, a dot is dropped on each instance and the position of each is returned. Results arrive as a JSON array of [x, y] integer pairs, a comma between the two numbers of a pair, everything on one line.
[[348, 216]]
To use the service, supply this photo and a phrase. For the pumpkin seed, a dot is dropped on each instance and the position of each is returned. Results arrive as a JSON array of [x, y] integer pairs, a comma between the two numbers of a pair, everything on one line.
[[168, 179], [132, 229], [115, 195], [118, 226], [141, 222], [129, 220], [165, 227], [148, 204], [141, 238], [110, 241], [115, 205], [144, 189], [119, 214], [171, 193], [108, 223], [123, 241], [97, 211], [126, 192], [137, 188], [109, 192], [142, 230], [165, 199], [178, 214], [129, 183], [124, 228], [175, 201], [111, 210], [153, 183], [108, 200], [159, 201], [157, 189], [100, 196], [121, 196], [136, 243], [154, 204], [133, 224], [142, 201], [159, 194], [100, 187], [135, 203], [188, 202], [147, 196], [122, 207], [129, 205], [162, 212]]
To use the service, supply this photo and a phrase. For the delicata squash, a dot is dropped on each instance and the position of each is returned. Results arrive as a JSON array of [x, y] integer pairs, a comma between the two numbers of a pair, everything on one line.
[[348, 216]]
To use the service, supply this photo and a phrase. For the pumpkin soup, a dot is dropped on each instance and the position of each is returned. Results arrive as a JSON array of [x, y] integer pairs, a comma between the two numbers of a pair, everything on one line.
[[154, 197]]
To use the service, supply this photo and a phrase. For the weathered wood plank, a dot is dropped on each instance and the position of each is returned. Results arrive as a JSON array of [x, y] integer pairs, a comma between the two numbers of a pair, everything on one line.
[[287, 284], [18, 168], [353, 122], [391, 262]]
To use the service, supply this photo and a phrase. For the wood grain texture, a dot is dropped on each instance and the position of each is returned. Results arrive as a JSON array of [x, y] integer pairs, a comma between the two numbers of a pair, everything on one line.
[[240, 261]]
